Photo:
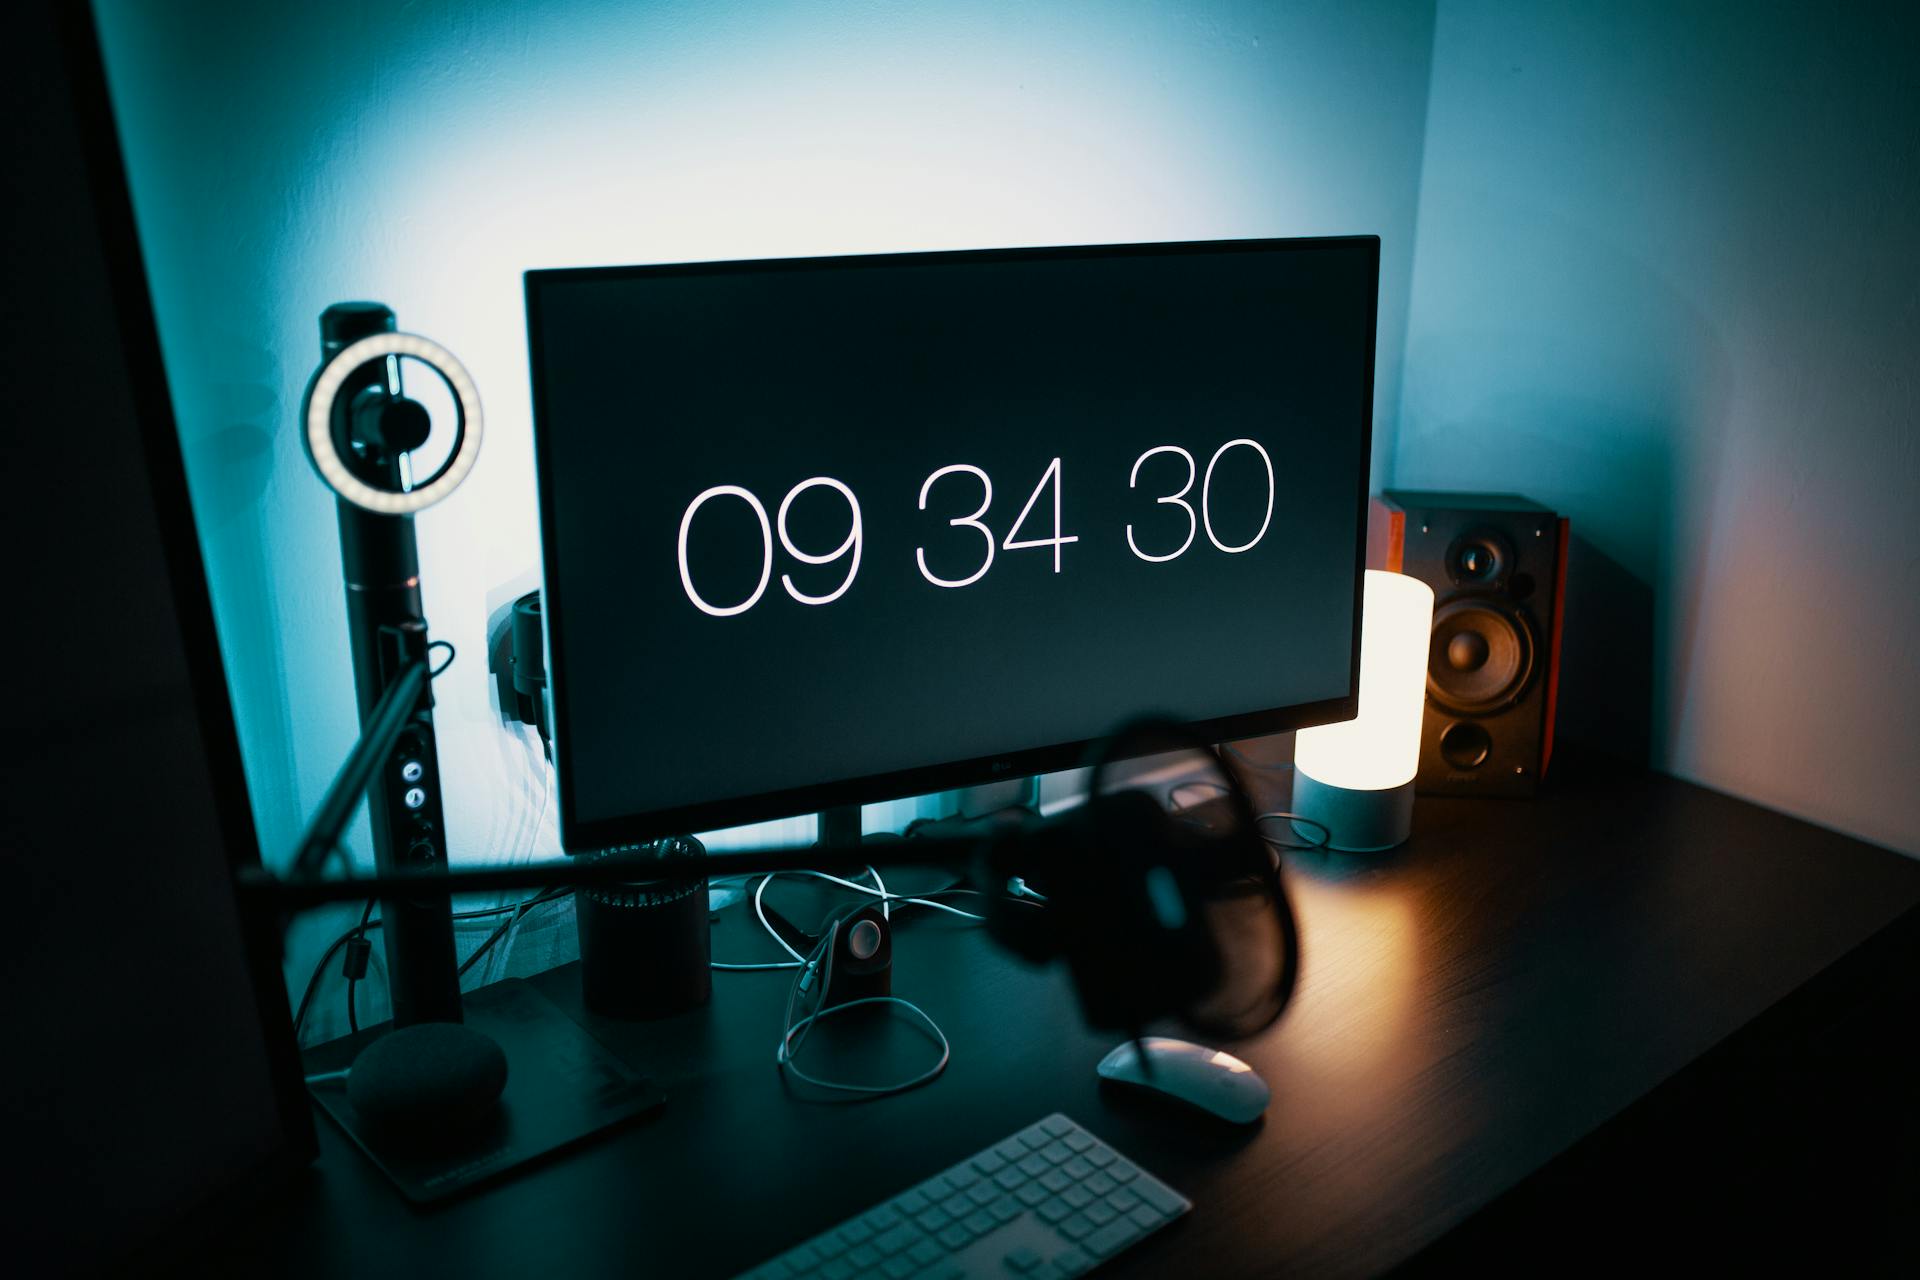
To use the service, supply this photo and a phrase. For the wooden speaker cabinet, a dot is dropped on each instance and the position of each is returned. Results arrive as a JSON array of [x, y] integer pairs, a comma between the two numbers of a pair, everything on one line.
[[1497, 565]]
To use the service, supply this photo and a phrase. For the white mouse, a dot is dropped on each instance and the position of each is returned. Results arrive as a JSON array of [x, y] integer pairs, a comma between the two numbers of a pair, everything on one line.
[[1210, 1079]]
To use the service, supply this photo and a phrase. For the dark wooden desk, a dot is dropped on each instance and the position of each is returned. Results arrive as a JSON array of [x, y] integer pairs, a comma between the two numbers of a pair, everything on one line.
[[1490, 1002]]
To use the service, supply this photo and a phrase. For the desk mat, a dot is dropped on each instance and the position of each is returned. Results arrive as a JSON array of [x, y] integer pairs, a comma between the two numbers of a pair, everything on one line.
[[562, 1087]]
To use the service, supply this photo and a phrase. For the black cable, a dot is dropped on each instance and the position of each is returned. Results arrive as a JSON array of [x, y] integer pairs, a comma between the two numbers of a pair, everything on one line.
[[320, 966], [313, 981], [356, 966], [1273, 815], [519, 913], [1326, 833], [452, 653]]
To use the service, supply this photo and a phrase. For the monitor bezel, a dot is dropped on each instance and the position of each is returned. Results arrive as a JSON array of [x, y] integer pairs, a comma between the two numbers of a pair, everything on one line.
[[577, 835]]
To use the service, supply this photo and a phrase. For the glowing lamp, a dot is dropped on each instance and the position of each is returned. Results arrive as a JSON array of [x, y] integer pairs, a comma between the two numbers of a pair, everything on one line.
[[1355, 778]]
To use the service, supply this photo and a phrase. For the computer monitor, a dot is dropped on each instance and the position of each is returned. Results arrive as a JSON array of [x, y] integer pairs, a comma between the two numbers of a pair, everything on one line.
[[833, 530]]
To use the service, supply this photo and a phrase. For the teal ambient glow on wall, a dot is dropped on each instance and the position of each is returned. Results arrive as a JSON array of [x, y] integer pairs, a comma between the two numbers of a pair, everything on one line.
[[284, 157], [1667, 283]]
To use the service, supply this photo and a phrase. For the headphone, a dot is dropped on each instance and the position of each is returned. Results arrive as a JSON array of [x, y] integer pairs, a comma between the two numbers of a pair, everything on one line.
[[1156, 914]]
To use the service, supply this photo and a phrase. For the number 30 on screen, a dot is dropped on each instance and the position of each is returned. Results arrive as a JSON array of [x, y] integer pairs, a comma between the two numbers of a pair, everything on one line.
[[949, 487]]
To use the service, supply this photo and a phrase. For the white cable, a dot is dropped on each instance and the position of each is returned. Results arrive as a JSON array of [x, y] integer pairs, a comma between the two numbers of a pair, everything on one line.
[[785, 1056], [1018, 888], [887, 899], [796, 963], [760, 911], [788, 1049]]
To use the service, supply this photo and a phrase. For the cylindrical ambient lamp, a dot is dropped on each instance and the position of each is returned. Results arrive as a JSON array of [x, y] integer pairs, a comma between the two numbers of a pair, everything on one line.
[[1355, 778]]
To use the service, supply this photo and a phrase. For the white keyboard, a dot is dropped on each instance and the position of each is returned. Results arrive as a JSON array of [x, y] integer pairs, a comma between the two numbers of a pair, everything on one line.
[[1052, 1200]]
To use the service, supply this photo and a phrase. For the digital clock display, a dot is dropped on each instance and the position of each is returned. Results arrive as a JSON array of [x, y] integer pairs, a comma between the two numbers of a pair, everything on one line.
[[834, 529]]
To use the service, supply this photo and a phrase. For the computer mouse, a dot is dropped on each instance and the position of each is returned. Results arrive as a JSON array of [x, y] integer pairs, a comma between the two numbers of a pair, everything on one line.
[[1210, 1080]]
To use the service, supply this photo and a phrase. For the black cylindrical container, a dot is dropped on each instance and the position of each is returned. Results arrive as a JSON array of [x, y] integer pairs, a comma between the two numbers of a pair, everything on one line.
[[645, 948]]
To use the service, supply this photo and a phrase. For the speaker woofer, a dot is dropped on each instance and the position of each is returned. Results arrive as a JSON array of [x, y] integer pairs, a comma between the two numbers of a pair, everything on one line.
[[1481, 657]]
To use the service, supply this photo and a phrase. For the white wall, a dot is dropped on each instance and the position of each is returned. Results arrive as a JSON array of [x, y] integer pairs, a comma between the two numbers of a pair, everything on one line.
[[283, 157], [1666, 280]]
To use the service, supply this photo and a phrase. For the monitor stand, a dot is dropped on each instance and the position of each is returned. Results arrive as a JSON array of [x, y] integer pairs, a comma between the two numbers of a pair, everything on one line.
[[839, 825], [840, 828]]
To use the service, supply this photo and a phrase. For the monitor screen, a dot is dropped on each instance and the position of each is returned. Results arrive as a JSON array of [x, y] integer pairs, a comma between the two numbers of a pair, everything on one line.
[[820, 531]]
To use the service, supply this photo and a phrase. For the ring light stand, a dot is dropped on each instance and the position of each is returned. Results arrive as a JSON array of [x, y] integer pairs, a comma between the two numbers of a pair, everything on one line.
[[360, 430], [435, 1104]]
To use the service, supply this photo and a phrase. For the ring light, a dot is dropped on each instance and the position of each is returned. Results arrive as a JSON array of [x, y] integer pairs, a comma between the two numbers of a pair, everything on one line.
[[323, 450]]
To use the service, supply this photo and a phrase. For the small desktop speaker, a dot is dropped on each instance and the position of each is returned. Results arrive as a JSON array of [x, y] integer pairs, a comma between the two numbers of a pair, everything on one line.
[[1497, 566], [862, 957]]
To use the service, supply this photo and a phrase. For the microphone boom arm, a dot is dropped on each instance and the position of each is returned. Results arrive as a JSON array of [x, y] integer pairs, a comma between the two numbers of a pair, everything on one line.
[[386, 720], [1155, 914], [305, 889]]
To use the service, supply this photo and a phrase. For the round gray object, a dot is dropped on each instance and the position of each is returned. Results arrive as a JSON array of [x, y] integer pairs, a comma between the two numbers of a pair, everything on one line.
[[430, 1077]]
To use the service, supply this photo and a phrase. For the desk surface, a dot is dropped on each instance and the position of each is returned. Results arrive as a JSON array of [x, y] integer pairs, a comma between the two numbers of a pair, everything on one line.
[[1470, 1006]]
